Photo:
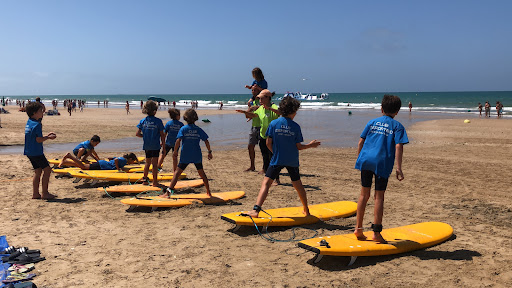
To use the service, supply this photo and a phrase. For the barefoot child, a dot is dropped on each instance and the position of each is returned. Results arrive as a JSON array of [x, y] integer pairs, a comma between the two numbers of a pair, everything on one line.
[[381, 140], [34, 150], [86, 149], [151, 130], [116, 163], [284, 139], [189, 138], [171, 129]]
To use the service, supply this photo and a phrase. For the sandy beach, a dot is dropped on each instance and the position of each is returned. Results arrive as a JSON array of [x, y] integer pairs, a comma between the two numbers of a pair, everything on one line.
[[455, 173]]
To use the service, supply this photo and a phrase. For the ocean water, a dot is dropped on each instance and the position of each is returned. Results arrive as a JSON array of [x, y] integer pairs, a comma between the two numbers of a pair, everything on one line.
[[438, 102]]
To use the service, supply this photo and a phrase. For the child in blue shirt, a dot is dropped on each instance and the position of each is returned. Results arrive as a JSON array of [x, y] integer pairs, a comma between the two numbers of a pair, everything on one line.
[[381, 140], [189, 138], [171, 129], [258, 84], [151, 130], [86, 149], [284, 139], [34, 150], [116, 163]]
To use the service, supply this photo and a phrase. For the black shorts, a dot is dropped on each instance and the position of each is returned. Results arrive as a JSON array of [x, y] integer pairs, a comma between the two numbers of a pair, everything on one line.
[[39, 161], [167, 149], [381, 183], [182, 166], [152, 153], [273, 172], [95, 166]]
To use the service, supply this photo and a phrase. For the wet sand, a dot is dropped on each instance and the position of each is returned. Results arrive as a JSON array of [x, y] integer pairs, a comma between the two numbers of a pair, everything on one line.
[[454, 172]]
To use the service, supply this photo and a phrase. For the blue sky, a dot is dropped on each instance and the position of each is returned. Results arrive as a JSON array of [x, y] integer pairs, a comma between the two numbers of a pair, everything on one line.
[[171, 47]]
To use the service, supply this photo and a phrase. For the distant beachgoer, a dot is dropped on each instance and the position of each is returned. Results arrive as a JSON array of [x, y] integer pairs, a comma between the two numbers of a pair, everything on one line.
[[98, 103], [171, 130], [499, 109], [487, 108], [34, 150], [70, 107], [151, 130], [410, 107], [220, 105], [127, 107], [141, 104], [174, 104], [480, 109], [380, 140], [39, 101]]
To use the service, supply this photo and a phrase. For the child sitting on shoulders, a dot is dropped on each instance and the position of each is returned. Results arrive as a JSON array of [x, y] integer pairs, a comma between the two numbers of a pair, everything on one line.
[[171, 129], [189, 138], [34, 150], [284, 138], [86, 149], [151, 130], [381, 140]]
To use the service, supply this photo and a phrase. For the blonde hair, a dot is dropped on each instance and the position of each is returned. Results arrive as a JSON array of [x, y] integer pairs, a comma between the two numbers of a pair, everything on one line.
[[150, 108]]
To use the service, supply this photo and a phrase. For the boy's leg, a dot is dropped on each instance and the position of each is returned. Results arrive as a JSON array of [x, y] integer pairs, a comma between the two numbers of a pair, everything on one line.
[[302, 195], [361, 207], [154, 162], [80, 153], [378, 213], [146, 167], [161, 160], [262, 195], [74, 160], [252, 156], [47, 171], [175, 178], [35, 183], [205, 181]]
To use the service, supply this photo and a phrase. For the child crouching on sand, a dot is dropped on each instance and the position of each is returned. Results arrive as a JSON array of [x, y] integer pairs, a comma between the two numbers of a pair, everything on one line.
[[116, 163], [284, 138], [34, 150], [151, 130], [381, 140], [189, 138]]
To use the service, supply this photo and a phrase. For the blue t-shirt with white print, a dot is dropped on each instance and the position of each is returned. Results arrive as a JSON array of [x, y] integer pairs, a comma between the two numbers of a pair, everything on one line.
[[33, 129], [285, 134], [190, 136], [151, 127], [378, 153], [111, 165], [172, 128]]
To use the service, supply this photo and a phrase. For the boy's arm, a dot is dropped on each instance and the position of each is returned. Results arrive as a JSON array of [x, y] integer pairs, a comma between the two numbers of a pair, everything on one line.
[[116, 161], [93, 152], [207, 143], [248, 114], [162, 139], [312, 144], [272, 109], [176, 148], [399, 152], [139, 133], [51, 136], [360, 145], [269, 144]]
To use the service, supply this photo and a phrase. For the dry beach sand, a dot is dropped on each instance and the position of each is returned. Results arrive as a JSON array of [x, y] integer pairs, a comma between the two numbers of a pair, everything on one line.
[[454, 172]]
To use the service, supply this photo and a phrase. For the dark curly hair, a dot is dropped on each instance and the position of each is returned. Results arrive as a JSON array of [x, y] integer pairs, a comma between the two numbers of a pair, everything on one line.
[[288, 106], [32, 108], [131, 156], [173, 113], [391, 104], [190, 116]]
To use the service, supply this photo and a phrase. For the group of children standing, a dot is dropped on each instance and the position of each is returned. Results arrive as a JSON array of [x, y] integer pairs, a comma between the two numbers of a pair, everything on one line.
[[380, 143]]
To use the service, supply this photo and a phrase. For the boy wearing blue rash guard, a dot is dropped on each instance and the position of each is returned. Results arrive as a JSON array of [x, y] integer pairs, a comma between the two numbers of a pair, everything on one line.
[[86, 149], [381, 140], [34, 150], [189, 138], [171, 129], [116, 163], [284, 138], [151, 130]]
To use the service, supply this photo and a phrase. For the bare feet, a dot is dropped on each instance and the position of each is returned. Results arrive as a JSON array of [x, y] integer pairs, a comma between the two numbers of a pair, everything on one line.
[[253, 213], [250, 169], [378, 238], [359, 234], [36, 196], [165, 195], [48, 196], [261, 172], [306, 213]]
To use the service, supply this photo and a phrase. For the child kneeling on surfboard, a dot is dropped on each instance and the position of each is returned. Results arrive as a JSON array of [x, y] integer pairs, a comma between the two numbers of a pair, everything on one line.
[[86, 149], [116, 163], [151, 130], [284, 139], [34, 149], [189, 138], [380, 141]]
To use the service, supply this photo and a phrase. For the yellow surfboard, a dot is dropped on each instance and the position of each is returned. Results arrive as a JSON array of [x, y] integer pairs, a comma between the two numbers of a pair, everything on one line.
[[293, 216], [138, 188], [180, 200], [57, 161], [119, 176], [400, 240], [130, 169]]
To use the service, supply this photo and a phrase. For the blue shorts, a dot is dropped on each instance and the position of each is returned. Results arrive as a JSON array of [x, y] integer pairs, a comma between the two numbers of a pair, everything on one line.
[[39, 161], [273, 172], [182, 166], [381, 183]]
